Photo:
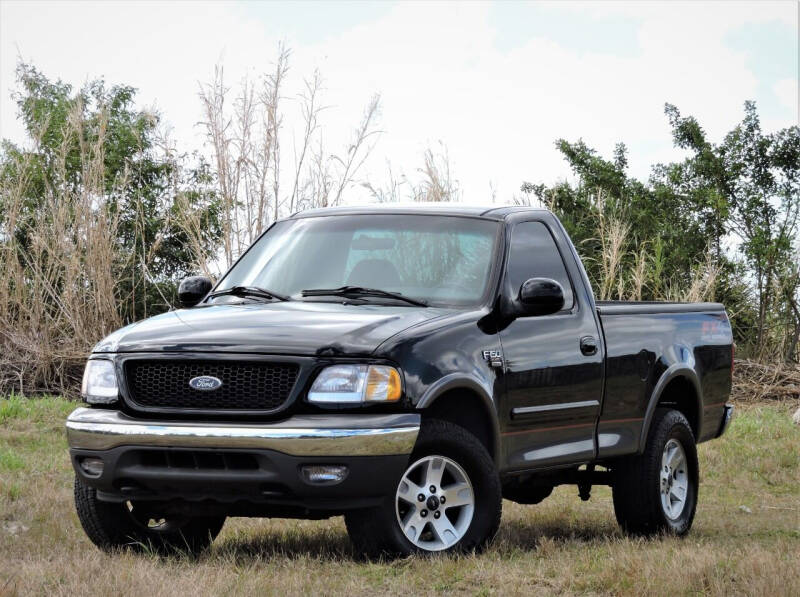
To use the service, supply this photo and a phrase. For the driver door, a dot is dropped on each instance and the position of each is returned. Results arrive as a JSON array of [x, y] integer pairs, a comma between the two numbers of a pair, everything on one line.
[[553, 382]]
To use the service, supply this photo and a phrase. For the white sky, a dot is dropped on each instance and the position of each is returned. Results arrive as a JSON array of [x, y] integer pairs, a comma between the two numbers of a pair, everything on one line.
[[497, 83]]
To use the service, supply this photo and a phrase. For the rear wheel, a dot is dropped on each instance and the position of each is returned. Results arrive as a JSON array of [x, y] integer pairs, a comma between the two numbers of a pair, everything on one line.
[[448, 499], [657, 490], [140, 526]]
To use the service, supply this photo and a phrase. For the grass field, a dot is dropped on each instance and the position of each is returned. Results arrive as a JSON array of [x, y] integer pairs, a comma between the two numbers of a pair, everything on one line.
[[746, 537]]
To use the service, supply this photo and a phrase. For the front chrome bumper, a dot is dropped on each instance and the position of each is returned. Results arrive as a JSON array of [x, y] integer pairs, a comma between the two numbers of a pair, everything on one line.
[[306, 435]]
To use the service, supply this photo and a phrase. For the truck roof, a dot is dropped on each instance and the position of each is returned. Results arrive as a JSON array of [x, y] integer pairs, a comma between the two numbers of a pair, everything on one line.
[[488, 211]]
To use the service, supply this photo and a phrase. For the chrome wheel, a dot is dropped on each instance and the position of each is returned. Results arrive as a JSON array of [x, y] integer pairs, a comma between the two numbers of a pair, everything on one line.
[[674, 479], [434, 503]]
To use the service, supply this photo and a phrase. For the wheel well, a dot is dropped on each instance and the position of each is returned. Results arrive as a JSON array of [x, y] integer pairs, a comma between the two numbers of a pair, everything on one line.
[[681, 395], [463, 407]]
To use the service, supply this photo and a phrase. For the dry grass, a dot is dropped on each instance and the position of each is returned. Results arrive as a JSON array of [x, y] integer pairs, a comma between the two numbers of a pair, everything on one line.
[[754, 381], [560, 546], [68, 277], [248, 129], [434, 181], [58, 294]]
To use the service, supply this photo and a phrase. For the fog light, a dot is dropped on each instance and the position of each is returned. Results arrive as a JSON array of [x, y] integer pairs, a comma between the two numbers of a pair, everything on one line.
[[324, 474], [93, 467]]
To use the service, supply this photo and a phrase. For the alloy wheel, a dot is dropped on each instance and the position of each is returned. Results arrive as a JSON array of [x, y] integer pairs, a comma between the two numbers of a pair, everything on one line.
[[434, 503], [674, 480]]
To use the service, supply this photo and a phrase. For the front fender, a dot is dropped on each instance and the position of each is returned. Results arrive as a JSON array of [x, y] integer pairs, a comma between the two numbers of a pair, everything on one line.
[[472, 384]]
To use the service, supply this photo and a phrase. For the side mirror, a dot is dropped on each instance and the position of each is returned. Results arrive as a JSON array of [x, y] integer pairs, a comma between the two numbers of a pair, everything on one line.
[[192, 290], [541, 296]]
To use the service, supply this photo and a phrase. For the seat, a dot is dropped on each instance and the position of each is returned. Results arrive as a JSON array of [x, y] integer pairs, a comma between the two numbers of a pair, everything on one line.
[[374, 273]]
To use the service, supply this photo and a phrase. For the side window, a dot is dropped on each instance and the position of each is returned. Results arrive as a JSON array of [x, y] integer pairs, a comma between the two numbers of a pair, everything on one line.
[[534, 255]]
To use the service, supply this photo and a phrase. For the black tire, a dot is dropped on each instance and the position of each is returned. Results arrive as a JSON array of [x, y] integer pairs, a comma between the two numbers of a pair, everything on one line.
[[111, 526], [376, 532], [638, 482]]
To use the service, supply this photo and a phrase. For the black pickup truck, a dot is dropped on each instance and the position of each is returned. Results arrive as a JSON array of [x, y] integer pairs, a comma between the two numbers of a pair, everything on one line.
[[405, 367]]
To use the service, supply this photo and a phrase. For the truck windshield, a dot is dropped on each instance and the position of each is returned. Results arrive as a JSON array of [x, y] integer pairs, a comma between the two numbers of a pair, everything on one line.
[[437, 260]]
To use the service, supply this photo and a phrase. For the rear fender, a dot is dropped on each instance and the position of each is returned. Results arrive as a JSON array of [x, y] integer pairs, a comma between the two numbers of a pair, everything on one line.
[[675, 371]]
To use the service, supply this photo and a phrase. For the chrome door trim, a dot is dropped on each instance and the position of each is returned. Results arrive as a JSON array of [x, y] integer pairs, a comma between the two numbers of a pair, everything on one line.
[[527, 410]]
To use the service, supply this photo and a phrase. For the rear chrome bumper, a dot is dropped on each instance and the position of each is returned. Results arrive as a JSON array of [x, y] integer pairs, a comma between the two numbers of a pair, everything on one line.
[[306, 435], [726, 419]]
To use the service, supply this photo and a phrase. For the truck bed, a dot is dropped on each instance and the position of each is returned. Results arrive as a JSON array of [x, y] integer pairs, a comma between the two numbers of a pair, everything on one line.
[[654, 349]]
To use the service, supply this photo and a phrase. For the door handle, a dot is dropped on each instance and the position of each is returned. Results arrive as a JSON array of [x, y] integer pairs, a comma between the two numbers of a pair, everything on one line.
[[588, 346]]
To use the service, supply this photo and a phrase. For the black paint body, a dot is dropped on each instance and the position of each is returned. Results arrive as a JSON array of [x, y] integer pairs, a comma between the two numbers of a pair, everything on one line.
[[576, 386]]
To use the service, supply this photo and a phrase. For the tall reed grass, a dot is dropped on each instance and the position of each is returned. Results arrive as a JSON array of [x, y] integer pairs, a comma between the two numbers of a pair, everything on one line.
[[58, 294]]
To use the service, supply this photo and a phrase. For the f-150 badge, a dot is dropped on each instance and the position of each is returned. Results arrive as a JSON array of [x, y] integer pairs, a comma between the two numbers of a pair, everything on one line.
[[494, 357]]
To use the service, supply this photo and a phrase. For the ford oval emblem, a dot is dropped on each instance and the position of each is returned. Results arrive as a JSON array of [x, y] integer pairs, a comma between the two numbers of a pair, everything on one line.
[[205, 383]]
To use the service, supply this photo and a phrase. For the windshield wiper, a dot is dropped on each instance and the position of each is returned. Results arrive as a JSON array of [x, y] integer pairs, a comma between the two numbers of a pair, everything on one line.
[[250, 291], [356, 291]]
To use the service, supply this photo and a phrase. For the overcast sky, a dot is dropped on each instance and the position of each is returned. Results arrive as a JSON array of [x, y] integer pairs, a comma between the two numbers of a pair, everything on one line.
[[496, 82]]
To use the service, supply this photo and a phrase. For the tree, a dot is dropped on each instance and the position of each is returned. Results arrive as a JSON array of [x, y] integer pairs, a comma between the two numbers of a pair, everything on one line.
[[623, 225], [94, 226], [725, 220], [748, 188], [138, 181]]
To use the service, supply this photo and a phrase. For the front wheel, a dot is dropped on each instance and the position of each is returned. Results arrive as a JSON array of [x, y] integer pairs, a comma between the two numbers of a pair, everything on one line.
[[657, 490], [139, 526], [448, 499]]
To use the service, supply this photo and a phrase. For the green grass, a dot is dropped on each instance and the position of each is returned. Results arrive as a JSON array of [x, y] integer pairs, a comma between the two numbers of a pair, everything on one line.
[[9, 460], [560, 546], [50, 409]]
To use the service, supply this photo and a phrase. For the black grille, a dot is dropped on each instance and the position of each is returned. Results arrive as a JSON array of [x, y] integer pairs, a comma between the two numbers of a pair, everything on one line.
[[245, 386]]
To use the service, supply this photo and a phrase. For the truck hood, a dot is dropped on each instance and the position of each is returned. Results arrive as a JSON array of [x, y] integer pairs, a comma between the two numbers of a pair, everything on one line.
[[302, 328]]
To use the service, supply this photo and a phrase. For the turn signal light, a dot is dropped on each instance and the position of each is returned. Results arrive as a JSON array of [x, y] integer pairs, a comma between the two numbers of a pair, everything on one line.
[[383, 385]]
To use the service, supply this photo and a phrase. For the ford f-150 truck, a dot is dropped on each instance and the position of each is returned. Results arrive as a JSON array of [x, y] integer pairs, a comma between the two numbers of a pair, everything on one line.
[[408, 368]]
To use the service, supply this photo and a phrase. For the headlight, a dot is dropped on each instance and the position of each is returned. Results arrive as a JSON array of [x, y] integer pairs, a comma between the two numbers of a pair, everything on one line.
[[99, 382], [356, 383]]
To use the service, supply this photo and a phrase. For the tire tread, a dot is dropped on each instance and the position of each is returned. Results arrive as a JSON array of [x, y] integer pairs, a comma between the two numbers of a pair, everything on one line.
[[637, 505], [372, 532], [110, 527]]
